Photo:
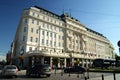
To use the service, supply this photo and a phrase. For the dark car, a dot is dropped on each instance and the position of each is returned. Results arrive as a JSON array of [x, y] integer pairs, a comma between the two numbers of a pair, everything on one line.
[[75, 69], [1, 68], [39, 69]]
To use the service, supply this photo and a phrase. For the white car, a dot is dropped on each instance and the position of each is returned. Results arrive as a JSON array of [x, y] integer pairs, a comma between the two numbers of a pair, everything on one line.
[[10, 70]]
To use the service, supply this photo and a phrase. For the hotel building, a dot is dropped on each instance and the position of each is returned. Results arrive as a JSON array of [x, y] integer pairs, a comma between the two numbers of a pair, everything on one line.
[[42, 36]]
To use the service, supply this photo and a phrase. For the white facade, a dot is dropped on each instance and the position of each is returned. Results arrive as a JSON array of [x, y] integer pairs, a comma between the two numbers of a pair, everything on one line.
[[42, 34]]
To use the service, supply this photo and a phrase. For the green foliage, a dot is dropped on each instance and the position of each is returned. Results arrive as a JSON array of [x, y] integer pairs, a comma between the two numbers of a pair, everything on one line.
[[56, 61], [117, 57]]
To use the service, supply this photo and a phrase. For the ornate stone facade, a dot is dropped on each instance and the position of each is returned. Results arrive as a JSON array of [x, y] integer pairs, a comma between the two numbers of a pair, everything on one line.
[[45, 35]]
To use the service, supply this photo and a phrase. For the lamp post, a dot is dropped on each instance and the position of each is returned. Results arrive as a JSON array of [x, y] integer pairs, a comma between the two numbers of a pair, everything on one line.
[[70, 54], [21, 57]]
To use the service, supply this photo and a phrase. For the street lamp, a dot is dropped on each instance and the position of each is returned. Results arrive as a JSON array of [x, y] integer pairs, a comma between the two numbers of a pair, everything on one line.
[[70, 54], [21, 57]]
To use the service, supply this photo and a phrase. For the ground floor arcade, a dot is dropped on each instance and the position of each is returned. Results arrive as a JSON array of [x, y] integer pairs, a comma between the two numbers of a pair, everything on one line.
[[45, 57], [63, 62]]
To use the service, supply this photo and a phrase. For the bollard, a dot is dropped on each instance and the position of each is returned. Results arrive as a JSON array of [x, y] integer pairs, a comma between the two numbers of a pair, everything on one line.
[[114, 76], [69, 74], [62, 73], [102, 77], [55, 71], [85, 78], [78, 75]]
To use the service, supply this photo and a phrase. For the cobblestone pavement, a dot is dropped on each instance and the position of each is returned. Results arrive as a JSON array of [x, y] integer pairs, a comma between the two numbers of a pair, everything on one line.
[[64, 76]]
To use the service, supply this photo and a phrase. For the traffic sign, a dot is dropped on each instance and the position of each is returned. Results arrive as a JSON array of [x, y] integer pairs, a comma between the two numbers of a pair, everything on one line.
[[118, 43]]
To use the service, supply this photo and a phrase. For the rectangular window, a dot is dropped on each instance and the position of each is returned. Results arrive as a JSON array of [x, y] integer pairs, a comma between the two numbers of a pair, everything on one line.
[[43, 17], [46, 42], [31, 39], [25, 28], [33, 14], [54, 35], [59, 23], [37, 31], [43, 33], [76, 41], [55, 21], [33, 21], [32, 30], [47, 33], [51, 20], [54, 43], [38, 15], [77, 47], [36, 40], [69, 45], [43, 41], [51, 43], [59, 44], [43, 25], [26, 21], [37, 22], [48, 19], [54, 28], [60, 29], [24, 38], [30, 48], [50, 34], [51, 27], [62, 37], [62, 44], [59, 37], [47, 26]]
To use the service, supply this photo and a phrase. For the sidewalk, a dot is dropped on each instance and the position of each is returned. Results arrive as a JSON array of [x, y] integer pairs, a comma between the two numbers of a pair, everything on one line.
[[110, 77], [92, 76]]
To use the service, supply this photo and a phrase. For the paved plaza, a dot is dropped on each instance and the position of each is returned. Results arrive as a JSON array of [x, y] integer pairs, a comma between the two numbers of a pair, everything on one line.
[[66, 76]]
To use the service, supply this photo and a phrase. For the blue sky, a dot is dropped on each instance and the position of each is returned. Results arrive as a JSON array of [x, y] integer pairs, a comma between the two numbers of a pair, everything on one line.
[[102, 16]]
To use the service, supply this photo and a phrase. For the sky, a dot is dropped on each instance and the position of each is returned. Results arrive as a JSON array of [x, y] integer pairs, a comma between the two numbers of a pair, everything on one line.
[[102, 16]]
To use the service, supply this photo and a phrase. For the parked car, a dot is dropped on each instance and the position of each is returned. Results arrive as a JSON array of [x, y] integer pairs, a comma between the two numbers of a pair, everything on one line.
[[39, 69], [75, 69], [10, 70], [1, 67]]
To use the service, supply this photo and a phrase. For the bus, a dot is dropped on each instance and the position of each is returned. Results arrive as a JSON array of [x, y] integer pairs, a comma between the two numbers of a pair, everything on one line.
[[104, 63]]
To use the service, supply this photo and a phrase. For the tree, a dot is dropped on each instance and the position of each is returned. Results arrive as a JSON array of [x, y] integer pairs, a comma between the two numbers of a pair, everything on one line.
[[77, 62], [56, 61], [117, 57]]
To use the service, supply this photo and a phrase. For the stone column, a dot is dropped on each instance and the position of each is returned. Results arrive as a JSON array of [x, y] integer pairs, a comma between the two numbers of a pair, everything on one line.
[[78, 61], [42, 60], [87, 63], [64, 62], [51, 62], [83, 62], [72, 62], [90, 63], [59, 65]]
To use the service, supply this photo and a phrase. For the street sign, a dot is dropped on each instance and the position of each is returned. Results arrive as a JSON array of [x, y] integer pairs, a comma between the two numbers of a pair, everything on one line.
[[118, 43]]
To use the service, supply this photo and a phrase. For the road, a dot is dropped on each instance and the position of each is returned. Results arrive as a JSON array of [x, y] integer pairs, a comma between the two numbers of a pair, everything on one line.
[[59, 76]]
